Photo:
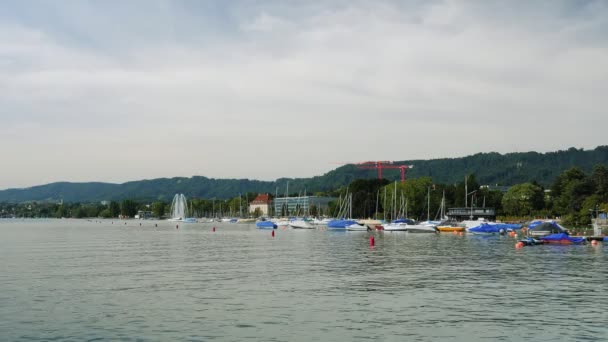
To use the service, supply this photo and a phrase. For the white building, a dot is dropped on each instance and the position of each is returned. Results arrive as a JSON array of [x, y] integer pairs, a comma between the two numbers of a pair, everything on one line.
[[262, 202]]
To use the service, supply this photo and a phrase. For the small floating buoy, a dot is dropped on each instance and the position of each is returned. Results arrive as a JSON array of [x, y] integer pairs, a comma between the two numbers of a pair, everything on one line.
[[372, 241], [272, 233], [594, 242]]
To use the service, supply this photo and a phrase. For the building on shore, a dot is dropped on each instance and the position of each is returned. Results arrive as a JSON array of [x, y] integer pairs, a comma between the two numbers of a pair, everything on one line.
[[474, 213], [143, 214], [261, 202], [302, 205]]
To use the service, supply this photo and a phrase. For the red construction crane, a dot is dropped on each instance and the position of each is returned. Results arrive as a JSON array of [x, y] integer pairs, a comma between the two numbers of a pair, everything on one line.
[[380, 165]]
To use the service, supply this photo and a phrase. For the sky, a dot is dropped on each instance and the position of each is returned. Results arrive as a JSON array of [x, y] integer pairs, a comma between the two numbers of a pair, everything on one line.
[[115, 91]]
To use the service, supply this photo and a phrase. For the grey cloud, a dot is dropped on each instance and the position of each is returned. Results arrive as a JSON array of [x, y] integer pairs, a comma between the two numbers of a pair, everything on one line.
[[145, 85]]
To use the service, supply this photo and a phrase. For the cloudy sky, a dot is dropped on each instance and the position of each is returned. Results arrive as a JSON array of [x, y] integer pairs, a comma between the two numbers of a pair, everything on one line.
[[125, 90]]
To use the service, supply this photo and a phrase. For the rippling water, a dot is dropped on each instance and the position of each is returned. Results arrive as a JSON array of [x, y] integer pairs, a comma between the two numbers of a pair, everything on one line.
[[80, 280]]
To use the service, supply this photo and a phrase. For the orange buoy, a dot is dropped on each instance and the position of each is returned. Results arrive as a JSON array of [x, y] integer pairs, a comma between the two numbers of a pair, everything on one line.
[[372, 241]]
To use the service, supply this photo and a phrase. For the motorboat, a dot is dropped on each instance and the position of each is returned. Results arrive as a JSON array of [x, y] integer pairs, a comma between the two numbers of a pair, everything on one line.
[[563, 238], [340, 224], [321, 222], [408, 225], [544, 228], [282, 223], [358, 227], [301, 224], [493, 228], [265, 225], [475, 223], [449, 226]]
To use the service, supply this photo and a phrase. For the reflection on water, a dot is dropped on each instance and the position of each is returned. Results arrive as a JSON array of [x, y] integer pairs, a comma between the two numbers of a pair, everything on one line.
[[81, 280]]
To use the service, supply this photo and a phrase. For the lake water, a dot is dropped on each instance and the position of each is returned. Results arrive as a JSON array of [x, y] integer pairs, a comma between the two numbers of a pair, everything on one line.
[[87, 281]]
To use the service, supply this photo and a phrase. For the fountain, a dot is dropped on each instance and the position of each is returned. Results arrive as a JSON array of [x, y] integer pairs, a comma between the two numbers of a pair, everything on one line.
[[179, 209]]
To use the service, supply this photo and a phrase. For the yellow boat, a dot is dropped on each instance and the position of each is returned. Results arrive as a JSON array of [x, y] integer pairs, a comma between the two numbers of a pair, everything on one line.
[[446, 229]]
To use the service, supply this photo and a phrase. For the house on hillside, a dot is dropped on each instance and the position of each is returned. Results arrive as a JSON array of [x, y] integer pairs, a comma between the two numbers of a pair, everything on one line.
[[261, 202]]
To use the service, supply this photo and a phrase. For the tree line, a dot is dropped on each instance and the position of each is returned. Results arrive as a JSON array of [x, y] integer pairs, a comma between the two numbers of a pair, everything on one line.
[[573, 196]]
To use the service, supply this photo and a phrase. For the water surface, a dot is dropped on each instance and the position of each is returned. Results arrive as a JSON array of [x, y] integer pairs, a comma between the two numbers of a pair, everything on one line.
[[106, 280]]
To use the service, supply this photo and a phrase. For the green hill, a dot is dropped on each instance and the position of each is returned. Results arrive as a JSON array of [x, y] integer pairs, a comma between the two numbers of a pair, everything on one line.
[[489, 168]]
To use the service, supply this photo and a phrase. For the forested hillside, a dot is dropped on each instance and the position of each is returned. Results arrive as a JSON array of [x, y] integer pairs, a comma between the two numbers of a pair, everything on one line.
[[488, 168]]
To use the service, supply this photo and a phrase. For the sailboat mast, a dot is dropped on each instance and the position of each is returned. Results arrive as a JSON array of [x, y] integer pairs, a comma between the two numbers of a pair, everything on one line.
[[377, 199], [384, 205], [442, 206], [428, 204], [466, 192], [395, 202]]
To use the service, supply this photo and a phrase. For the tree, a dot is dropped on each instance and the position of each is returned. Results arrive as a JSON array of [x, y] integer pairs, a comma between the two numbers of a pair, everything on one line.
[[114, 209], [569, 191], [158, 209], [364, 195], [599, 177], [61, 211], [257, 212], [412, 192], [128, 208], [523, 199], [105, 213]]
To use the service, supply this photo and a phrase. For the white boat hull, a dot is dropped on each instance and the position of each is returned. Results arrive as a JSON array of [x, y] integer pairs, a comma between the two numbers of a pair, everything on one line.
[[301, 225], [357, 227], [402, 227]]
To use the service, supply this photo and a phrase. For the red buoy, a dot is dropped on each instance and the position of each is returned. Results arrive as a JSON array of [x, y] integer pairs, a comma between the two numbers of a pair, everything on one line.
[[372, 241], [273, 233]]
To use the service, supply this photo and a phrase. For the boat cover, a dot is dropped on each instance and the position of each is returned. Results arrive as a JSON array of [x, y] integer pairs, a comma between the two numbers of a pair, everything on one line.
[[265, 225], [340, 224], [404, 220], [490, 228], [549, 226], [562, 238]]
